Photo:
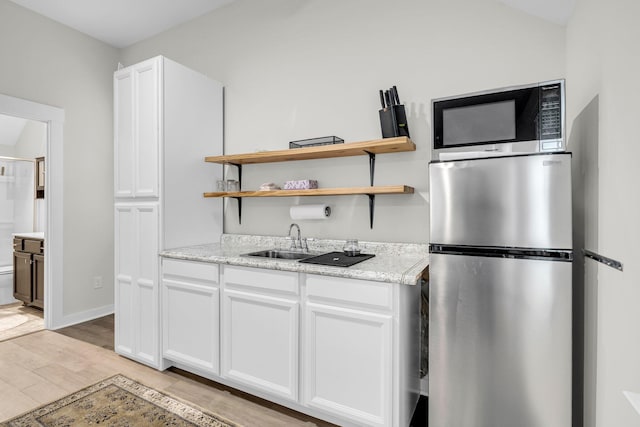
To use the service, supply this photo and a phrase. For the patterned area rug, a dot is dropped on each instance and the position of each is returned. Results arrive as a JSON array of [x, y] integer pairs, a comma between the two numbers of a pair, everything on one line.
[[117, 402]]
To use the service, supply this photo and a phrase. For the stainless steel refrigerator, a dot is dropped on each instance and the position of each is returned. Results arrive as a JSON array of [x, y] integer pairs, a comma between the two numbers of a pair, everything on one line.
[[500, 292]]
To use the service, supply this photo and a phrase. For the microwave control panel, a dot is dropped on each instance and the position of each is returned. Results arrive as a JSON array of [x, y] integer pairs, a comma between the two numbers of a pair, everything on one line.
[[551, 112]]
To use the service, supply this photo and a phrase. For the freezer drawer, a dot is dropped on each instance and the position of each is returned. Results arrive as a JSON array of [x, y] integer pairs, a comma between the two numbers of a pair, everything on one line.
[[517, 201], [499, 342]]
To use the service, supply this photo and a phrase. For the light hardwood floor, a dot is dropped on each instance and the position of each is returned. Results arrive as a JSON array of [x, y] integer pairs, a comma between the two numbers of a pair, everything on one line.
[[44, 366], [17, 319]]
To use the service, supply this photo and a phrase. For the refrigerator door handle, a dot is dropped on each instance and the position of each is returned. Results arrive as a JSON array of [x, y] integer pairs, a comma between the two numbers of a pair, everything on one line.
[[501, 252], [602, 259]]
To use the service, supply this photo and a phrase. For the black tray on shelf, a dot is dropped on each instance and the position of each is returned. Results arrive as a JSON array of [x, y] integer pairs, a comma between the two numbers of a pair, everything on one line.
[[324, 140], [337, 259]]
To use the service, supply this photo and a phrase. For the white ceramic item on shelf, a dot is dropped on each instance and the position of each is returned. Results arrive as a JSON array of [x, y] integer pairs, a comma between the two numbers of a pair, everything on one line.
[[268, 186]]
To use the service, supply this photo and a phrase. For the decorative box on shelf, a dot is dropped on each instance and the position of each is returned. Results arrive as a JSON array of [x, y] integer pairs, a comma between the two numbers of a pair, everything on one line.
[[302, 184]]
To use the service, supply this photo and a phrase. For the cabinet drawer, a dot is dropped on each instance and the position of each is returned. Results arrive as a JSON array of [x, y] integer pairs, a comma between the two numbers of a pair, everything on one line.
[[33, 246], [202, 271], [258, 278], [364, 293], [17, 244]]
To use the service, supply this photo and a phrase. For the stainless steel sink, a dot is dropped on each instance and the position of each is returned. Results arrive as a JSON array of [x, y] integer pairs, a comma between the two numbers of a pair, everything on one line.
[[280, 254]]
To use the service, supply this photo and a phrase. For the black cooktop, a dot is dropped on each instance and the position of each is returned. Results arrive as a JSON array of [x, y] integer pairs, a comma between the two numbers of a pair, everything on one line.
[[337, 259]]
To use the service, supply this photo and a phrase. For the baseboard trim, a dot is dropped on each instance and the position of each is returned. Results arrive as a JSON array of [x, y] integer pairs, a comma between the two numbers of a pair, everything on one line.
[[84, 316]]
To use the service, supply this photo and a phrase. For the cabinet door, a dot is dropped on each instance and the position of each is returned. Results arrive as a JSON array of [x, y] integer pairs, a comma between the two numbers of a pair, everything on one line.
[[147, 127], [191, 314], [147, 298], [38, 280], [22, 277], [136, 282], [348, 363], [260, 342], [123, 133], [137, 130], [125, 248]]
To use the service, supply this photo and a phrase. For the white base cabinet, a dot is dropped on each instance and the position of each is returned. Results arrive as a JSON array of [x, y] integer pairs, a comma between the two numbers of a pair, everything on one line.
[[191, 314], [348, 364], [343, 350], [260, 317], [349, 339]]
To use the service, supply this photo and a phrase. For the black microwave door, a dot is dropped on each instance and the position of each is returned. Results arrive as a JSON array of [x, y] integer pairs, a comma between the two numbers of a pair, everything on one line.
[[493, 118]]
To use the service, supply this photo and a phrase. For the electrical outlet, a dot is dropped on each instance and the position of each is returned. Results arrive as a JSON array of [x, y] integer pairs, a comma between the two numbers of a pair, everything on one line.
[[97, 282]]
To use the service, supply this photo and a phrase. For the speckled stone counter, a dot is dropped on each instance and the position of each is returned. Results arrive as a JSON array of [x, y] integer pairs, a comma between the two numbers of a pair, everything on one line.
[[402, 263]]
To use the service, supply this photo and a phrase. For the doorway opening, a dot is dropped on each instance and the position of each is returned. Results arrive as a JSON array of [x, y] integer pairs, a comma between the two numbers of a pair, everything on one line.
[[21, 219], [47, 213]]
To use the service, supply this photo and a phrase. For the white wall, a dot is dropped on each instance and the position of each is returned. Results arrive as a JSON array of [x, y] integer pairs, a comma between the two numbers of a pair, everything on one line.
[[7, 151], [299, 69], [32, 142], [46, 62], [10, 130], [603, 65]]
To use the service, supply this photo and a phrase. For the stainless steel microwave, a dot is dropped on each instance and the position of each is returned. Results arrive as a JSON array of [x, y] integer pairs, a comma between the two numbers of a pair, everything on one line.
[[523, 119]]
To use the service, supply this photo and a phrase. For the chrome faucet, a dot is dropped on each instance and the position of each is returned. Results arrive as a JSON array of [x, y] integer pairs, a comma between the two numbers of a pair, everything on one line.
[[297, 243]]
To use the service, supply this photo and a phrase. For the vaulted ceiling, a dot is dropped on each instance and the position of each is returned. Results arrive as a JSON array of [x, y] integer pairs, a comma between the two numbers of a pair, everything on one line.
[[121, 23]]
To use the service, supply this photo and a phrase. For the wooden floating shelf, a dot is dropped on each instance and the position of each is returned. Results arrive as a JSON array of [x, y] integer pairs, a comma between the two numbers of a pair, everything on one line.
[[376, 146], [368, 148], [387, 189]]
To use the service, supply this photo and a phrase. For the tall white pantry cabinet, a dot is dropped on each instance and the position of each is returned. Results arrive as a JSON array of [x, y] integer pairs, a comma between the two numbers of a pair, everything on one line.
[[167, 118]]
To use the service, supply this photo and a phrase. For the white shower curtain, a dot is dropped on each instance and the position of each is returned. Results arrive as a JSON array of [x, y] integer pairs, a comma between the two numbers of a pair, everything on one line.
[[17, 191]]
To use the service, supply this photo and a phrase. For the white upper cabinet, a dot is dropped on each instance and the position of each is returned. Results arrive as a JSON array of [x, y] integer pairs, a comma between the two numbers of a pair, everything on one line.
[[147, 132], [137, 95], [123, 133]]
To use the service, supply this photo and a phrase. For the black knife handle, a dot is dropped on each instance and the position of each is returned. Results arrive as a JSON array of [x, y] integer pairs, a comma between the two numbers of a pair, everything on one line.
[[382, 99], [395, 95], [387, 98]]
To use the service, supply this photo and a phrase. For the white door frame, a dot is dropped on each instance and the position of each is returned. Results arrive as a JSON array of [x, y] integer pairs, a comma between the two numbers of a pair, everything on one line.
[[53, 266]]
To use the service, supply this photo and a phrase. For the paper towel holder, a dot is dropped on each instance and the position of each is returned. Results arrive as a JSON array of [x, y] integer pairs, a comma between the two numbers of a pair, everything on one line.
[[310, 212]]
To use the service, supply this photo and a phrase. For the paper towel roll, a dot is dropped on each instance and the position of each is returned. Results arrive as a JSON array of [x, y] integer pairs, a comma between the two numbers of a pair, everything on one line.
[[310, 212]]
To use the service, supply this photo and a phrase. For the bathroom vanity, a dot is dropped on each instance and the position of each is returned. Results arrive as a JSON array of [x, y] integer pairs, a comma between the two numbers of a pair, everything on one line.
[[28, 268]]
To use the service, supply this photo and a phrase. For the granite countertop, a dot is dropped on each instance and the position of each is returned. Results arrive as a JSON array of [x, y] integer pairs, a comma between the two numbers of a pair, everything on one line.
[[30, 235], [402, 263]]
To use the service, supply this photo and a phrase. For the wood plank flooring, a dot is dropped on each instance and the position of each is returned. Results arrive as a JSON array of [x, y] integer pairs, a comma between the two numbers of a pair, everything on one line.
[[97, 332], [44, 366], [17, 319]]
